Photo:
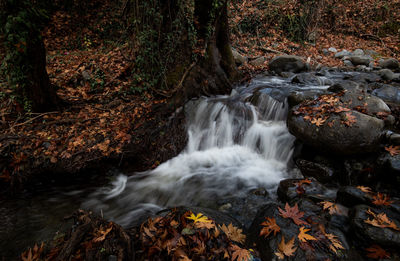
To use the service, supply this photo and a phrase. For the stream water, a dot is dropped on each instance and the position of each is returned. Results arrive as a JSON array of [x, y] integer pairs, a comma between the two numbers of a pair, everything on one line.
[[238, 148]]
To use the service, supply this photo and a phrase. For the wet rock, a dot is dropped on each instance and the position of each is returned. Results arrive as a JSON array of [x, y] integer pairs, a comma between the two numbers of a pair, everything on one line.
[[239, 58], [390, 63], [351, 196], [289, 190], [369, 234], [359, 99], [363, 136], [325, 51], [358, 52], [386, 74], [342, 54], [388, 93], [348, 63], [258, 61], [268, 246], [296, 98], [360, 60], [320, 172], [288, 63]]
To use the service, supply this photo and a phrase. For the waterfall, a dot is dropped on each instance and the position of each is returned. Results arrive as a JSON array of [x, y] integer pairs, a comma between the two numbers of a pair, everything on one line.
[[234, 145]]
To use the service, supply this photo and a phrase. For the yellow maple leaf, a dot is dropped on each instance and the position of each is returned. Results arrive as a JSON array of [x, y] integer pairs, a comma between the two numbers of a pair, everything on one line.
[[198, 218]]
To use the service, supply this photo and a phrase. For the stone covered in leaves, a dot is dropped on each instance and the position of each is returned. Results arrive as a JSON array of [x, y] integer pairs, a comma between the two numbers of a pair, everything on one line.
[[344, 123], [288, 232]]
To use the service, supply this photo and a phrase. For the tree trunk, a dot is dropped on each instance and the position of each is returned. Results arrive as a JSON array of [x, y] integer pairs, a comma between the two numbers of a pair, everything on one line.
[[185, 77], [40, 92], [21, 23]]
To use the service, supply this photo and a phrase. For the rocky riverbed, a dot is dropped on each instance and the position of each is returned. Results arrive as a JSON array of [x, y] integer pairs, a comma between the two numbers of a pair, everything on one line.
[[336, 197]]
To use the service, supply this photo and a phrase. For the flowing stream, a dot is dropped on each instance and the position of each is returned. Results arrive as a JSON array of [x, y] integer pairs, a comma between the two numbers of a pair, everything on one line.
[[238, 150]]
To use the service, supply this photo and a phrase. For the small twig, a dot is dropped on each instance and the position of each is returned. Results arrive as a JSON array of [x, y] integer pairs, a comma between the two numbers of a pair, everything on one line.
[[271, 50], [32, 119]]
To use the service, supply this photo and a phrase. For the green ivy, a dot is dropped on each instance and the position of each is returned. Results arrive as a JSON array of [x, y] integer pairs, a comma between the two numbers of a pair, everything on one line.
[[20, 23]]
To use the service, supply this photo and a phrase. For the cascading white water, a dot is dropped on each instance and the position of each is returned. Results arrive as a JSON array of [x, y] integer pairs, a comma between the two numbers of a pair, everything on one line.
[[233, 146]]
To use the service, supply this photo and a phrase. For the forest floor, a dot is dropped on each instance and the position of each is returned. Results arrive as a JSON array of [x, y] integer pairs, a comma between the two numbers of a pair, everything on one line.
[[106, 116]]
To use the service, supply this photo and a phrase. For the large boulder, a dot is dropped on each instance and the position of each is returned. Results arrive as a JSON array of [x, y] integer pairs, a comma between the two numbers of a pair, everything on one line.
[[288, 63], [345, 125], [239, 58]]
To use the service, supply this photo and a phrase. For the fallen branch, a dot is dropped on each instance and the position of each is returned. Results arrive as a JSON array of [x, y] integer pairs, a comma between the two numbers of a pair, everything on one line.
[[376, 38], [32, 119]]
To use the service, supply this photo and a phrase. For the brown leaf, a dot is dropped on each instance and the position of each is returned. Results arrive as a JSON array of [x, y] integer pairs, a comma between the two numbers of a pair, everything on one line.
[[393, 150], [376, 252], [303, 236], [269, 227], [381, 199], [240, 254], [293, 213], [103, 233], [233, 233], [380, 220], [286, 249], [335, 242], [331, 207]]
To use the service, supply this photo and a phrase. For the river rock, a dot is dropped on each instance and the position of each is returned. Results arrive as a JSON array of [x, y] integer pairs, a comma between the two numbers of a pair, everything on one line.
[[332, 50], [390, 63], [239, 58], [351, 196], [370, 234], [386, 92], [288, 63], [297, 97], [290, 191], [371, 53], [268, 245], [360, 60], [320, 172], [386, 74], [348, 63], [357, 52], [361, 137], [342, 54], [258, 61]]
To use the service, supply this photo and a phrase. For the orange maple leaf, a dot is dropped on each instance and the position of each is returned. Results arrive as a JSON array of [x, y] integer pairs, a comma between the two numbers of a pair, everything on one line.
[[393, 150], [381, 220], [376, 252], [102, 233], [350, 119], [318, 121], [381, 199], [303, 236], [303, 181], [293, 213], [365, 189], [330, 206], [285, 249], [269, 227]]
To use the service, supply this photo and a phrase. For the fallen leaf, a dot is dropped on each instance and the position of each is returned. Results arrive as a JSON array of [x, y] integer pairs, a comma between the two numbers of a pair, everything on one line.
[[376, 252], [318, 121], [393, 150], [198, 218], [103, 233], [330, 206], [293, 213], [365, 189], [381, 199], [233, 233], [380, 220], [303, 236], [240, 254], [335, 242], [286, 249], [269, 227]]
